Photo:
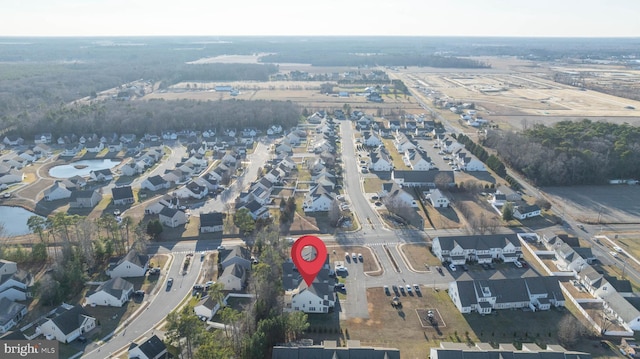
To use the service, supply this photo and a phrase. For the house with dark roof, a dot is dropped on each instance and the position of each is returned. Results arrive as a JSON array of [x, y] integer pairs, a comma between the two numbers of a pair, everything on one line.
[[133, 264], [172, 217], [329, 349], [14, 282], [478, 248], [101, 175], [430, 179], [206, 308], [67, 323], [122, 195], [211, 222], [315, 298], [154, 183], [113, 293], [152, 348], [58, 190], [483, 296], [526, 211], [85, 199], [233, 277], [255, 208], [192, 190], [10, 314], [235, 255], [318, 199], [448, 350]]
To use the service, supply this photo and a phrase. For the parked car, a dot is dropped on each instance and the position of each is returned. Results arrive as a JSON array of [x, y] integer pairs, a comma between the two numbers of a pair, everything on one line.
[[169, 283], [518, 264], [154, 271], [452, 267], [360, 257], [417, 287], [402, 290], [386, 290], [439, 269], [220, 248], [409, 289], [354, 257], [465, 268], [395, 290]]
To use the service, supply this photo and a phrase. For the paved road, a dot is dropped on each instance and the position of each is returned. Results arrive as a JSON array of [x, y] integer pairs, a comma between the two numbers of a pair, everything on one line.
[[160, 305]]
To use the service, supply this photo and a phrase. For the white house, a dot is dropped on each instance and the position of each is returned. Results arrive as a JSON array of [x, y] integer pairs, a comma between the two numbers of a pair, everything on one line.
[[206, 308], [14, 283], [10, 314], [131, 265], [483, 296], [233, 277], [437, 199], [480, 248], [417, 161], [67, 323], [132, 169], [113, 293], [395, 194], [172, 217], [524, 212], [236, 255], [122, 195], [318, 199], [84, 199], [371, 139], [101, 175], [57, 191], [192, 190], [316, 298], [152, 348], [154, 183], [211, 222], [380, 161]]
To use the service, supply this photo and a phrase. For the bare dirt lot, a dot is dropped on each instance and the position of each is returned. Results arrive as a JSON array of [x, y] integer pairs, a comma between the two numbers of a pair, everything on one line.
[[598, 204]]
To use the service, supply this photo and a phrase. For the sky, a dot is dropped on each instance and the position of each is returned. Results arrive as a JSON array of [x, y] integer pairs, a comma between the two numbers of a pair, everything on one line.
[[530, 18]]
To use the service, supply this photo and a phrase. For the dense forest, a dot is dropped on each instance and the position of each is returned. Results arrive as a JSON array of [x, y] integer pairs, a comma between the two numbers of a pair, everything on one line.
[[156, 116], [349, 59], [571, 153]]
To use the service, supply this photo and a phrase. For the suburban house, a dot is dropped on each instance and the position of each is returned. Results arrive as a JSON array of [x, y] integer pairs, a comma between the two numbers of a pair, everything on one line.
[[14, 282], [318, 199], [483, 296], [28, 155], [67, 323], [206, 308], [122, 195], [131, 265], [57, 191], [85, 199], [132, 169], [10, 314], [437, 199], [430, 179], [154, 183], [13, 176], [255, 208], [316, 298], [393, 193], [380, 161], [94, 146], [371, 139], [330, 349], [481, 248], [172, 217], [192, 190], [233, 277], [42, 150], [527, 211], [13, 140], [236, 255], [101, 175], [152, 348], [174, 176], [417, 161], [211, 222], [113, 293], [448, 350]]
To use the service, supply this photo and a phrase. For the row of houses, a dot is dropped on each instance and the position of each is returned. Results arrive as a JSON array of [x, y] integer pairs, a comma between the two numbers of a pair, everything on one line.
[[14, 287]]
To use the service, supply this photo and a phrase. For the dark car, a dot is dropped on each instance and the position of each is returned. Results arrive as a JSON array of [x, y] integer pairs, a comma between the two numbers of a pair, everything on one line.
[[439, 269], [465, 268], [395, 290], [402, 291], [386, 290], [169, 283]]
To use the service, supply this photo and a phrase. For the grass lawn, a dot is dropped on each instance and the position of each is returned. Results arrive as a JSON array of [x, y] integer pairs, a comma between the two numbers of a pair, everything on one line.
[[396, 157], [373, 184], [419, 255]]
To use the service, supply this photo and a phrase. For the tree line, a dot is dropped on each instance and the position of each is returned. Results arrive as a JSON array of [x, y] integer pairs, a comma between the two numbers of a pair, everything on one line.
[[157, 116], [76, 247], [350, 59], [571, 152]]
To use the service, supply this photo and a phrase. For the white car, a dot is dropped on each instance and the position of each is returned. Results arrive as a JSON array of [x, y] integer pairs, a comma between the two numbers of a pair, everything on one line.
[[613, 254], [452, 267], [617, 249], [518, 264]]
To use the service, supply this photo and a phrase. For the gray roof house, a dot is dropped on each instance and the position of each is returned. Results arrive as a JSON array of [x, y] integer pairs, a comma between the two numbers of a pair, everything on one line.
[[152, 348], [480, 248], [67, 323], [211, 222], [114, 293], [10, 314], [133, 264], [122, 195]]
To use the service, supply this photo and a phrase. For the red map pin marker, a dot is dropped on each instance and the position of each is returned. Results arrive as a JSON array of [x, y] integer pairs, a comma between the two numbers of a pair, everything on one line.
[[309, 269]]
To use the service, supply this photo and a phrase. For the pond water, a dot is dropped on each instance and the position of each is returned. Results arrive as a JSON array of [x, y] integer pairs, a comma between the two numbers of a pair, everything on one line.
[[14, 220], [81, 168]]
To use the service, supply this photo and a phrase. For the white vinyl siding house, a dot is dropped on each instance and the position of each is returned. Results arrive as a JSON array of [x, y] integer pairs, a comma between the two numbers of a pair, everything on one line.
[[131, 265]]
